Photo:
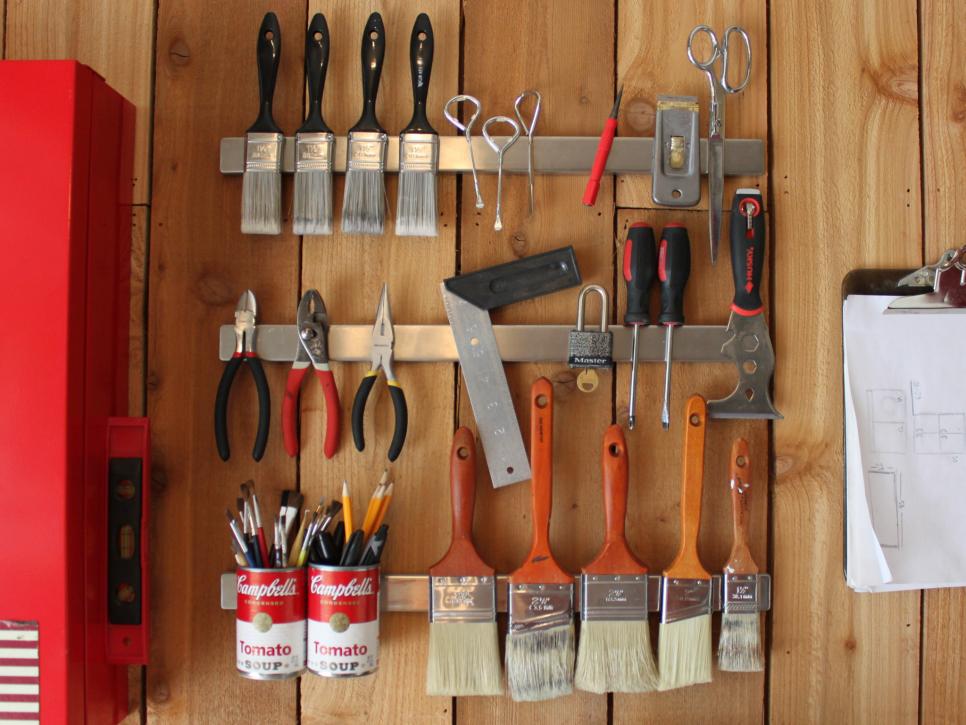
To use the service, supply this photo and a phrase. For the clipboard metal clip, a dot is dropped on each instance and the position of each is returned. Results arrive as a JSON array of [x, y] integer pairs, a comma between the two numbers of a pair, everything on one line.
[[948, 281]]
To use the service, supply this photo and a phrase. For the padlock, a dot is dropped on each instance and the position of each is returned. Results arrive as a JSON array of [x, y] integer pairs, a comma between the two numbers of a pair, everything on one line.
[[591, 348]]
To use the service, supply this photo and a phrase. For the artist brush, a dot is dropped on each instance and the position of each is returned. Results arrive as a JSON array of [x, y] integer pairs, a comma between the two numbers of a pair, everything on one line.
[[540, 634], [614, 654], [418, 144], [292, 505], [249, 488], [239, 553], [464, 646], [327, 549], [319, 522], [314, 141], [347, 510], [364, 200], [684, 645], [739, 644], [299, 538], [239, 538], [377, 544], [262, 178], [383, 506]]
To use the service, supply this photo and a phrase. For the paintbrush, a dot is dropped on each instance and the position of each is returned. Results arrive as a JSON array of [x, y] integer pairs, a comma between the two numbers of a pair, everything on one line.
[[464, 646], [739, 644], [314, 141], [248, 489], [418, 144], [684, 646], [262, 179], [615, 654], [540, 635], [364, 202]]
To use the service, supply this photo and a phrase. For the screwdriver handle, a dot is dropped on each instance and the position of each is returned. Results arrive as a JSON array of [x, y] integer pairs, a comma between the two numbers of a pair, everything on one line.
[[673, 269], [640, 267], [747, 250]]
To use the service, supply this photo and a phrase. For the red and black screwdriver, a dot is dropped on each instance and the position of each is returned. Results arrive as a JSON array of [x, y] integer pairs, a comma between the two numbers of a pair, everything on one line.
[[640, 262], [673, 269]]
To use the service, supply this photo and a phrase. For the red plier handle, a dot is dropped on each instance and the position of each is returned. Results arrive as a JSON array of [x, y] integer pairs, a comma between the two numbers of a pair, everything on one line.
[[290, 408]]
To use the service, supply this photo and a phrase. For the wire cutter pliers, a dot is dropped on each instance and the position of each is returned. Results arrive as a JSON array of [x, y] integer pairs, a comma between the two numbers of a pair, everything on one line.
[[382, 343], [313, 330], [244, 353]]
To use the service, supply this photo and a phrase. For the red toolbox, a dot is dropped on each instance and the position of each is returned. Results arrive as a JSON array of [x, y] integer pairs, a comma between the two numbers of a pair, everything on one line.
[[73, 474]]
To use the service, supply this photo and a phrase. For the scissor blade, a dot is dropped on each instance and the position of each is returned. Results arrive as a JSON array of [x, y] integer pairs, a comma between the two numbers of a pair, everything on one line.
[[715, 191]]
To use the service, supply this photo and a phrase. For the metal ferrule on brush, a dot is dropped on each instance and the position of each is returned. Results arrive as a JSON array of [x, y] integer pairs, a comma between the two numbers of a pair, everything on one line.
[[314, 151], [418, 152], [684, 598], [540, 606], [617, 598], [746, 593], [367, 151], [263, 152], [462, 599]]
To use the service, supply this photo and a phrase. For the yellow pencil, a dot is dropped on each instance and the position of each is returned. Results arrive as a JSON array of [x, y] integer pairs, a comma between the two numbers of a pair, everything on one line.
[[347, 510], [383, 507], [373, 509]]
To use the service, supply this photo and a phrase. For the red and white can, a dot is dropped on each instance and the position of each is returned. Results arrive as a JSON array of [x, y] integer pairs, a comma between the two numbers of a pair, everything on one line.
[[343, 620], [270, 623]]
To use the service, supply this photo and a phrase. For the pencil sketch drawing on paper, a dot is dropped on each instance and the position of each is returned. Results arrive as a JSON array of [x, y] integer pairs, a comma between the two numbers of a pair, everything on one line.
[[935, 431], [884, 494], [888, 420]]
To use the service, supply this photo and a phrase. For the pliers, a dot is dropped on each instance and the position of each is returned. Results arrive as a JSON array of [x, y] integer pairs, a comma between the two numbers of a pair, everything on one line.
[[382, 344], [244, 353], [313, 330]]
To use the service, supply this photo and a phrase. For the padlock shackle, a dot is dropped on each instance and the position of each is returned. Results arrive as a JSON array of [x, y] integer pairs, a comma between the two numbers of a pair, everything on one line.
[[604, 303]]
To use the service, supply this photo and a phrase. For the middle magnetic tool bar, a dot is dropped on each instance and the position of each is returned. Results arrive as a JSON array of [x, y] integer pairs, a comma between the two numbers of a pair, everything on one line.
[[517, 343], [551, 155]]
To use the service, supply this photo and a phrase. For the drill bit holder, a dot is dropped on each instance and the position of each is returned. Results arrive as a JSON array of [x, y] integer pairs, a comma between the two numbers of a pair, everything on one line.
[[551, 155]]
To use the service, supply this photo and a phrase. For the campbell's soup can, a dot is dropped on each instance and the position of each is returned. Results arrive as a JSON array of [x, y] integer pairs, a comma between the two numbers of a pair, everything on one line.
[[343, 620], [270, 623]]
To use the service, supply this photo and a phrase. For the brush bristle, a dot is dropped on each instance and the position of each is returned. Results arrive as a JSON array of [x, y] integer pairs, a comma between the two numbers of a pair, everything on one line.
[[464, 659], [739, 645], [312, 212], [684, 652], [540, 663], [615, 657], [261, 202], [416, 204], [364, 202]]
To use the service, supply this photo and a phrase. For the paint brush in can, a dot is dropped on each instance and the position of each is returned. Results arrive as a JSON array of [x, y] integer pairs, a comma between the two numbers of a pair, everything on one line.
[[418, 144], [739, 643], [262, 178], [540, 634], [615, 653], [364, 201], [314, 141], [684, 644], [464, 647]]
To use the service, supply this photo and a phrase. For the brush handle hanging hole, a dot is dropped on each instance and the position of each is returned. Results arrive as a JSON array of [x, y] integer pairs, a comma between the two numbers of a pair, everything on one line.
[[421, 36], [317, 35], [541, 401], [463, 453], [614, 450], [373, 35], [695, 419], [741, 462], [269, 35]]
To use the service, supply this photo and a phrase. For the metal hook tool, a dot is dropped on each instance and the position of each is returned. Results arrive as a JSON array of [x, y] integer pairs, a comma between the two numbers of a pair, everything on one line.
[[467, 133], [500, 150], [528, 129]]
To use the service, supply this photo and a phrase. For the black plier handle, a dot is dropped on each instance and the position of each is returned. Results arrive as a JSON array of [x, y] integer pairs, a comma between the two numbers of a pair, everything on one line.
[[221, 404], [399, 408]]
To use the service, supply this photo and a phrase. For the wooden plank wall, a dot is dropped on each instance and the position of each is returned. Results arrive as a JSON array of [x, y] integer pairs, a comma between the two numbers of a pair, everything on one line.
[[865, 126]]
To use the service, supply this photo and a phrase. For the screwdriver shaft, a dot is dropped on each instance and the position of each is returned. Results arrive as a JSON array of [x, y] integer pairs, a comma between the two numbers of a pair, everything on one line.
[[666, 407], [632, 404]]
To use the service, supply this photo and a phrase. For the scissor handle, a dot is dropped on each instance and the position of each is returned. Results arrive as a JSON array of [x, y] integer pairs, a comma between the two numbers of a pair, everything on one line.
[[528, 127], [493, 144], [456, 100], [726, 55], [705, 65]]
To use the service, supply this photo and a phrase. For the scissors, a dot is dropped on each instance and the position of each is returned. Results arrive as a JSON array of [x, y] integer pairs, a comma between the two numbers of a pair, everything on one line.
[[716, 132]]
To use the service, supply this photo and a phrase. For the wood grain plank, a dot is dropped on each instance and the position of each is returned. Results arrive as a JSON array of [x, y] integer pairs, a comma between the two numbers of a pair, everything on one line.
[[943, 105], [652, 60], [564, 50], [3, 27], [114, 37], [200, 263], [845, 175], [349, 271]]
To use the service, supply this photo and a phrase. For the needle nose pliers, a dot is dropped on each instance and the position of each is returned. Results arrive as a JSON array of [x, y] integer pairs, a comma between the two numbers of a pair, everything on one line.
[[313, 330], [244, 353], [382, 344]]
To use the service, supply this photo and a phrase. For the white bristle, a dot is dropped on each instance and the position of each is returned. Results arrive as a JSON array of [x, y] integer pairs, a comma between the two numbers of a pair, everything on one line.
[[416, 204], [684, 652], [739, 645], [312, 212], [261, 202], [540, 663], [464, 659], [364, 202], [615, 657]]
